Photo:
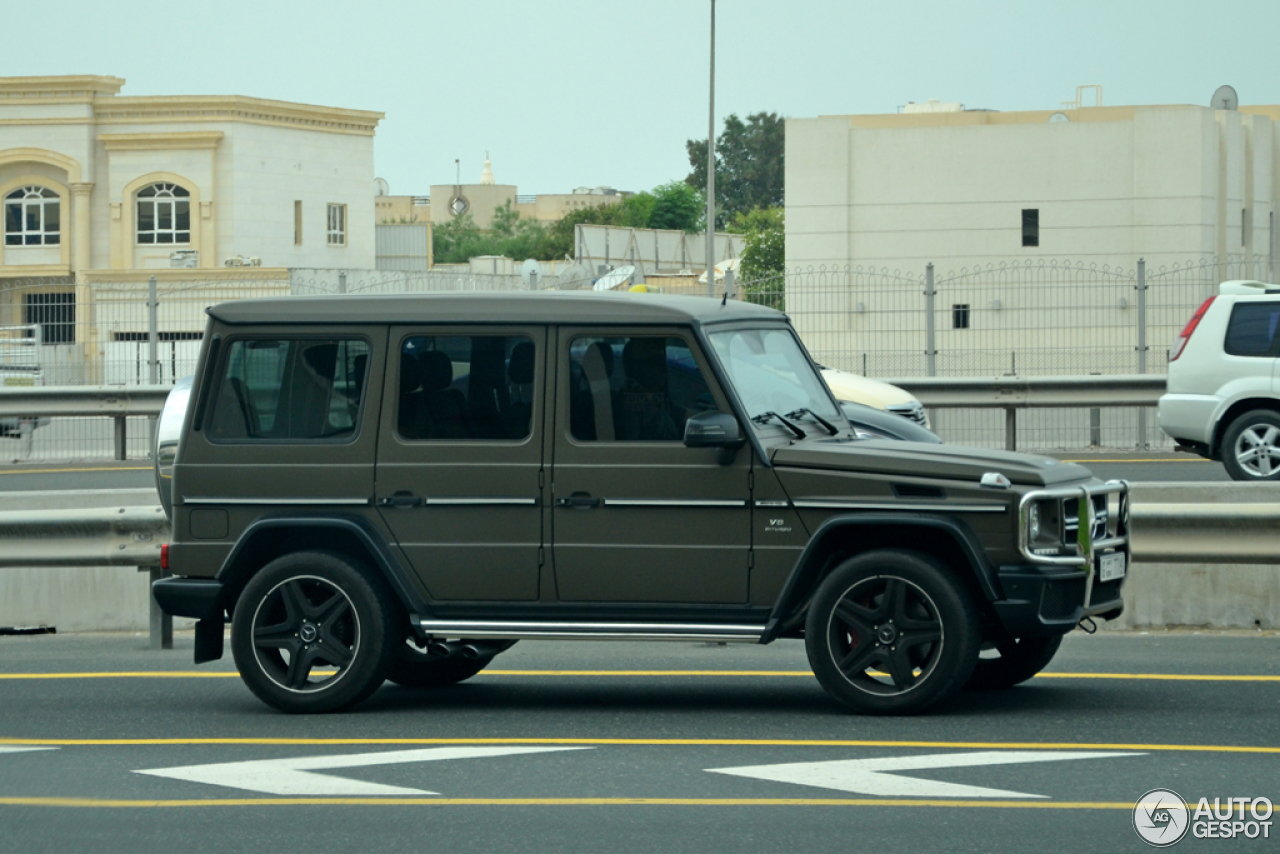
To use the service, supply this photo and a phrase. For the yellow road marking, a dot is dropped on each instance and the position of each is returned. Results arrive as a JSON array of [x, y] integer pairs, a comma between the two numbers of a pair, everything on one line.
[[635, 742], [570, 802], [58, 471], [231, 674]]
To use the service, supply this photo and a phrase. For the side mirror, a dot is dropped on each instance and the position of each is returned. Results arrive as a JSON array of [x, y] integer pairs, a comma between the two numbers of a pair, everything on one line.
[[715, 430]]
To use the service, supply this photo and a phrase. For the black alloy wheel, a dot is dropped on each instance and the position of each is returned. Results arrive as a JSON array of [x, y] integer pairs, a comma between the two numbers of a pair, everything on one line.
[[1013, 662], [313, 632], [891, 632]]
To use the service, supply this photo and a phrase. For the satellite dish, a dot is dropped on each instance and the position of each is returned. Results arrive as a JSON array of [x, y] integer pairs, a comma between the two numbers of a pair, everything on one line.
[[381, 187], [1058, 118], [531, 273], [1224, 98], [614, 278], [573, 277]]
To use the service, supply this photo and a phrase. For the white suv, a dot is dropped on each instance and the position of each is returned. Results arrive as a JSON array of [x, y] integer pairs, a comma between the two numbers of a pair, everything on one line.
[[1223, 399]]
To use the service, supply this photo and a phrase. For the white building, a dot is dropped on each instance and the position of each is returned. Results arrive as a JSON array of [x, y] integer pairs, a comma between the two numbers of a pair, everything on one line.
[[1094, 184], [100, 192]]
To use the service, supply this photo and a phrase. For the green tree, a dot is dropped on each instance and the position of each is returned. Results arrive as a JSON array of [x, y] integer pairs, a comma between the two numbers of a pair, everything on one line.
[[764, 255], [453, 242], [749, 164], [677, 206]]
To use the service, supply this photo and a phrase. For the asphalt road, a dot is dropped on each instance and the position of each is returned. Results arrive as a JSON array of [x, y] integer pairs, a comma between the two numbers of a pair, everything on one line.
[[639, 747]]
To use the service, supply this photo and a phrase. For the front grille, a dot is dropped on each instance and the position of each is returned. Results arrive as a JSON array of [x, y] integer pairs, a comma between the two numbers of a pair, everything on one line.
[[1071, 518], [913, 410], [1061, 598]]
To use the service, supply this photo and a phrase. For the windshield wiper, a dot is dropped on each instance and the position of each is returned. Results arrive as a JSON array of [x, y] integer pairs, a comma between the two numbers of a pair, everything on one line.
[[794, 428], [831, 428]]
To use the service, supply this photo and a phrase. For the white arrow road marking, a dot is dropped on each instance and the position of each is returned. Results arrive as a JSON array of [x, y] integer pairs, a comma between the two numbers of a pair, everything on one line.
[[869, 777], [294, 777], [6, 749]]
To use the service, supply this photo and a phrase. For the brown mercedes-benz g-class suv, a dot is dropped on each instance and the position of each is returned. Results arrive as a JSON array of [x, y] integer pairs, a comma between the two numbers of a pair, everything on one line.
[[372, 488]]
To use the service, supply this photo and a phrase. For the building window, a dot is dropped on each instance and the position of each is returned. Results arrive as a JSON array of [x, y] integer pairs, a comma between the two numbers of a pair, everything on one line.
[[55, 314], [960, 316], [297, 223], [337, 225], [1030, 226], [31, 217], [164, 214]]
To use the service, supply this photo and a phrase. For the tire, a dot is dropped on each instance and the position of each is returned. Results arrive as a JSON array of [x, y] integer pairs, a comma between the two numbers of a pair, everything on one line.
[[1251, 446], [414, 668], [1019, 659], [343, 608], [891, 633]]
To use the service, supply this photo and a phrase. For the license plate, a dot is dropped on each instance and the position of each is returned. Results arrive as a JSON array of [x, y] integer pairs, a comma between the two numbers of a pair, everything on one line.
[[1110, 567]]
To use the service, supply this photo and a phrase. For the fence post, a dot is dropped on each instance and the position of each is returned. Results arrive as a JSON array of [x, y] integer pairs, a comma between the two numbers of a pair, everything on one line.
[[1010, 429], [1142, 346], [120, 437], [729, 284], [153, 355], [342, 281], [930, 334]]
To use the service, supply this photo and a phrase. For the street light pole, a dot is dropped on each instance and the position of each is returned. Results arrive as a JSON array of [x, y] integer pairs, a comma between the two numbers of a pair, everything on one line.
[[711, 165]]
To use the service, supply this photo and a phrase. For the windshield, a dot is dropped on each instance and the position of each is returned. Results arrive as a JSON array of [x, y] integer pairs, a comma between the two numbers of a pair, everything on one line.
[[771, 372]]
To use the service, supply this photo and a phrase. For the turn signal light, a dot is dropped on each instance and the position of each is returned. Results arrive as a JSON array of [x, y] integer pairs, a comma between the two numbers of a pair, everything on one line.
[[1184, 336], [164, 556]]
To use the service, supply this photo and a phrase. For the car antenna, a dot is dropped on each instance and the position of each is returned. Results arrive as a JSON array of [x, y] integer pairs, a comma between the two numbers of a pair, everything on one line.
[[724, 299]]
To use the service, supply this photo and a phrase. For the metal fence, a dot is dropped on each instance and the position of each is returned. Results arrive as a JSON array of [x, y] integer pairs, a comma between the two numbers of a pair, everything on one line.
[[1011, 319]]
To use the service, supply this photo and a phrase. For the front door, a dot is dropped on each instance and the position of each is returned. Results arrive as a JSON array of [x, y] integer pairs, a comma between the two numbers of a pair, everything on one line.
[[637, 516], [460, 458]]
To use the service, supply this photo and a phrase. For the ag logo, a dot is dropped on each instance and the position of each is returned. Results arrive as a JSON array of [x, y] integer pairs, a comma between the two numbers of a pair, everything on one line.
[[1160, 817]]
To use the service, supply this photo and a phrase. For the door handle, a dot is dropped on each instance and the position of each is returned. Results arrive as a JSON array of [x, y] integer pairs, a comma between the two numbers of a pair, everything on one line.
[[580, 501], [403, 498]]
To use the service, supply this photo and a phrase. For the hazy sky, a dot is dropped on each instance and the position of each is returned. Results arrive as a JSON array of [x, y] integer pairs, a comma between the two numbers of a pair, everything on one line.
[[566, 93]]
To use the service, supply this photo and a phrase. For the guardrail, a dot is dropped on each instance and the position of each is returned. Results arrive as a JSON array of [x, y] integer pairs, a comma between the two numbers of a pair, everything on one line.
[[1014, 393], [111, 401], [1007, 393], [1184, 523]]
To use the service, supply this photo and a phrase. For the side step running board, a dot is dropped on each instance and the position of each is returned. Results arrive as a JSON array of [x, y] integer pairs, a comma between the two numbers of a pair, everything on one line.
[[547, 630]]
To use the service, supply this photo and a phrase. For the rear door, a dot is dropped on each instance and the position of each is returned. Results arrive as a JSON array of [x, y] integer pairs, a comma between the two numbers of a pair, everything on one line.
[[460, 458], [637, 516]]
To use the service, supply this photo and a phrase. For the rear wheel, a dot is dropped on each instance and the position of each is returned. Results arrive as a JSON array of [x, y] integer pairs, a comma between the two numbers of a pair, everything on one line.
[[1251, 446], [891, 632], [313, 632], [1015, 661]]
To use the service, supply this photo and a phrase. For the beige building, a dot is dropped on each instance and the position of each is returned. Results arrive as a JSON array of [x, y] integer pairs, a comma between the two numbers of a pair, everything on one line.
[[101, 191], [482, 200]]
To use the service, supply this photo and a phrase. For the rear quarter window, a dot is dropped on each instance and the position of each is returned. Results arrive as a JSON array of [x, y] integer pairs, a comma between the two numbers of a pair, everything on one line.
[[290, 390], [1252, 329]]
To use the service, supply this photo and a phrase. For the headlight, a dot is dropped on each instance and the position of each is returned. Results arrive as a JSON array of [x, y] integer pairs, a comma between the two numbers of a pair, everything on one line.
[[1044, 524], [1033, 522]]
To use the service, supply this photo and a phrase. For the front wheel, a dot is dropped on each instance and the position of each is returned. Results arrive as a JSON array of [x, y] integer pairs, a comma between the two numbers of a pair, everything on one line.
[[891, 632], [313, 632], [1251, 446], [1016, 661]]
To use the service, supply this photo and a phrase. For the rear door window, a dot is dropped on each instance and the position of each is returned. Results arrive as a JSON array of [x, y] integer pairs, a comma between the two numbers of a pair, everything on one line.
[[1252, 329], [290, 390], [466, 387]]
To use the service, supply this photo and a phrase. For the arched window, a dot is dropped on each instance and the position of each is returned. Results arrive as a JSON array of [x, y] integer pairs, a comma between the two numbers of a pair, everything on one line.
[[164, 214], [31, 217]]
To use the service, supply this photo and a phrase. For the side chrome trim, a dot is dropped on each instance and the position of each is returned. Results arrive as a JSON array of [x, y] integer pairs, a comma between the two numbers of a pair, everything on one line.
[[345, 502], [524, 502], [822, 504], [508, 630], [772, 502], [673, 502]]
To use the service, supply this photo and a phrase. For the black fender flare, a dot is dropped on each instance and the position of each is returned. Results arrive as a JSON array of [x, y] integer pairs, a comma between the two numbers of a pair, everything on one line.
[[804, 576], [384, 558]]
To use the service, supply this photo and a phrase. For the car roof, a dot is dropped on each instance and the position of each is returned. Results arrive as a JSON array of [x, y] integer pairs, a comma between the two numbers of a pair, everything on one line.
[[493, 307]]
